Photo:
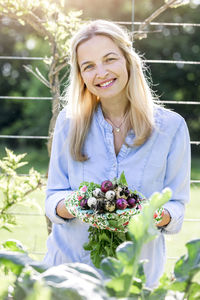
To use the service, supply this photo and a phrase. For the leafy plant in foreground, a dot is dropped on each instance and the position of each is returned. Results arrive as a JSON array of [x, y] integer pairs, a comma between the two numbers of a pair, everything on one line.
[[141, 230], [125, 278]]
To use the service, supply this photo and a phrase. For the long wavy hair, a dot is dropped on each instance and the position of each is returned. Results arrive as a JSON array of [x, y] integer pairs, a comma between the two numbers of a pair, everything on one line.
[[82, 103]]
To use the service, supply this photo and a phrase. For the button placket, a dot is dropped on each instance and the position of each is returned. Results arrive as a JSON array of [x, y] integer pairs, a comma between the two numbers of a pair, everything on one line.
[[113, 161]]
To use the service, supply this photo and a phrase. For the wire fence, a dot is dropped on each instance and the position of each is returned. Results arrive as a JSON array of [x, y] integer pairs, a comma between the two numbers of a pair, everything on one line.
[[192, 102], [153, 61], [161, 24]]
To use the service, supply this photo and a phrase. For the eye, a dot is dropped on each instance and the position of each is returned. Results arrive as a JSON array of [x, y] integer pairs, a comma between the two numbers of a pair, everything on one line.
[[110, 59], [88, 67]]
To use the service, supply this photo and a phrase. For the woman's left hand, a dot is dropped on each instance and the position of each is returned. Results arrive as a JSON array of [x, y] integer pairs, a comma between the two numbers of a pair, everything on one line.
[[165, 219]]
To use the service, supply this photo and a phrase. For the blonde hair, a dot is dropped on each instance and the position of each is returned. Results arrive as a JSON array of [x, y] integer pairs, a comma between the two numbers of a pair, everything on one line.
[[82, 103]]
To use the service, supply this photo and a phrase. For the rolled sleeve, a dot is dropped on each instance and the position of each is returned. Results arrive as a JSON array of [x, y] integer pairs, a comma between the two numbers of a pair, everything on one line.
[[51, 204], [178, 178], [58, 186]]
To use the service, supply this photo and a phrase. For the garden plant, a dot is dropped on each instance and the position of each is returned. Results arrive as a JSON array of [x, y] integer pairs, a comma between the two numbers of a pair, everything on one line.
[[123, 276]]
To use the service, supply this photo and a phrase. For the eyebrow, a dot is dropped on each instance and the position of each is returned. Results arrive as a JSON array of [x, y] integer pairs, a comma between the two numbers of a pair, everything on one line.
[[87, 62]]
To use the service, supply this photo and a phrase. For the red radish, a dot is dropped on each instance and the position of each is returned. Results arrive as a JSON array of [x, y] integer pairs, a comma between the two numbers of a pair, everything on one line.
[[131, 202], [121, 203], [106, 186]]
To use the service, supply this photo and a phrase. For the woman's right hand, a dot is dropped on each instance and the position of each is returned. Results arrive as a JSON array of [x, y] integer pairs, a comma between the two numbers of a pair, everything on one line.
[[62, 211]]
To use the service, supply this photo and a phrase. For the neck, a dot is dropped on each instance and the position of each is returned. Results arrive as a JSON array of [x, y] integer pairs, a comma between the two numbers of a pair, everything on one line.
[[114, 110]]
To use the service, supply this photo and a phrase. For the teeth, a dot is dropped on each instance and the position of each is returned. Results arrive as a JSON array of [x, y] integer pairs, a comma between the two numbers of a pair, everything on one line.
[[106, 83]]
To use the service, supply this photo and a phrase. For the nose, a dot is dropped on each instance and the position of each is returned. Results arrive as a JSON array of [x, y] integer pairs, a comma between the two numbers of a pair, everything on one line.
[[101, 71]]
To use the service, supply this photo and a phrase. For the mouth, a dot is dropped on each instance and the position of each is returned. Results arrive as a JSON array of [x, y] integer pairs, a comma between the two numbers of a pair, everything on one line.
[[107, 83]]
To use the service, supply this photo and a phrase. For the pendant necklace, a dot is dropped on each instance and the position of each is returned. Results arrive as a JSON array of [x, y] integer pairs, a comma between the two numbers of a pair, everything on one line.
[[118, 128]]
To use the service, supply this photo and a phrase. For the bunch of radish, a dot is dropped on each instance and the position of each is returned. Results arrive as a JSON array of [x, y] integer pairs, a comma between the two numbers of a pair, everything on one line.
[[110, 197]]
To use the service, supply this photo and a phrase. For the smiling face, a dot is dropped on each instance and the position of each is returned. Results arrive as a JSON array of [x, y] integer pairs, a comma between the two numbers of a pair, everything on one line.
[[103, 67]]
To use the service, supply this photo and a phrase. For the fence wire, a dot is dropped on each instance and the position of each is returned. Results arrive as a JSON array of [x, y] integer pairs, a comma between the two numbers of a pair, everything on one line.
[[161, 24], [192, 102], [24, 137], [47, 137], [155, 61]]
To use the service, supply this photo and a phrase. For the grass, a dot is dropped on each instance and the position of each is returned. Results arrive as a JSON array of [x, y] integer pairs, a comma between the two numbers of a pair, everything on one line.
[[195, 169], [190, 230], [31, 230]]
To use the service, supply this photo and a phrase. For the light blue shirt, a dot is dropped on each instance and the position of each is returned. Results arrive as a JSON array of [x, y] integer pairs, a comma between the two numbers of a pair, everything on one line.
[[162, 161]]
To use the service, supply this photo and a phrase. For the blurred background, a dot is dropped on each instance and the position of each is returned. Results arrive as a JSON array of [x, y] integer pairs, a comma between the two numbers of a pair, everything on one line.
[[176, 82], [172, 82]]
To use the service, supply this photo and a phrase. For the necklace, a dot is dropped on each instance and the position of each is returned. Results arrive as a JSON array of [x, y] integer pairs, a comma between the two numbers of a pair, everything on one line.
[[118, 128]]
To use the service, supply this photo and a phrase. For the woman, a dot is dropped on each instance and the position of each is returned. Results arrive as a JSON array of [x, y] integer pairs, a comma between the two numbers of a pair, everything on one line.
[[111, 125]]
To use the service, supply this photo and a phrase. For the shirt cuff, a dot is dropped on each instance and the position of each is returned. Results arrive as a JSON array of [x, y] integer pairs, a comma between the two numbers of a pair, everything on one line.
[[51, 204], [65, 219], [176, 210]]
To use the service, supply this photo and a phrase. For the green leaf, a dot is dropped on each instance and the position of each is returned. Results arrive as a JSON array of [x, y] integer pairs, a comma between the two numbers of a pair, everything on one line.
[[122, 179], [85, 270], [96, 258], [87, 246], [159, 293], [39, 292], [6, 228], [74, 281], [142, 227], [179, 286], [140, 272], [16, 261], [104, 237], [194, 291], [141, 230], [125, 252], [117, 287], [13, 245], [111, 267], [135, 289], [165, 282], [188, 265]]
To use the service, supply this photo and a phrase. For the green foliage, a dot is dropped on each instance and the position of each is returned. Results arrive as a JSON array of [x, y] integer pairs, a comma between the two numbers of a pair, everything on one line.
[[185, 270], [141, 230], [56, 26], [103, 243], [49, 21], [68, 281], [124, 279], [14, 188], [121, 181], [90, 187]]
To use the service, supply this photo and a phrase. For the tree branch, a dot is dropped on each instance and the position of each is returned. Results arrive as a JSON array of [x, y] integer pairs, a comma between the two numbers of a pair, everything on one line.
[[35, 22], [59, 68], [31, 19], [41, 76], [44, 81], [140, 34]]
